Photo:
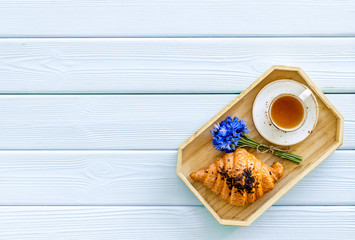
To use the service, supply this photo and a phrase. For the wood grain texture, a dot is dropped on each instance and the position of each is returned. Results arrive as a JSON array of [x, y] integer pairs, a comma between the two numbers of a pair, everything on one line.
[[291, 222], [119, 121], [165, 65], [141, 178], [197, 152], [175, 18]]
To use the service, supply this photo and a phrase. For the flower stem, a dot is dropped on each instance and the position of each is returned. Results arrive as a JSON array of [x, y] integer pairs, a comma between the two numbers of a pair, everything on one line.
[[246, 141]]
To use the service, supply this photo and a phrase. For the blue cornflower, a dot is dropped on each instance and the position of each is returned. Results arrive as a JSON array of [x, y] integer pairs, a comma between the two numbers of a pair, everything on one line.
[[230, 134], [227, 133]]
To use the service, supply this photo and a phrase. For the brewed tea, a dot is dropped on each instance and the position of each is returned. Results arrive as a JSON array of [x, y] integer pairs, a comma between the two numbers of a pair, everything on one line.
[[287, 112]]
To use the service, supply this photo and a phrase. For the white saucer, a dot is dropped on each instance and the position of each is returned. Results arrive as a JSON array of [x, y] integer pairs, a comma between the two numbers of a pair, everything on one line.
[[263, 124]]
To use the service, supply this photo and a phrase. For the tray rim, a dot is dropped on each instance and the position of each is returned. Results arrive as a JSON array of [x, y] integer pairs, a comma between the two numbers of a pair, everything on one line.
[[293, 181]]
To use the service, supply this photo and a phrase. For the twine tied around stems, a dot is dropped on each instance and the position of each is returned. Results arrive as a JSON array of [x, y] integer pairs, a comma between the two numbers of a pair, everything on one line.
[[271, 149], [232, 133]]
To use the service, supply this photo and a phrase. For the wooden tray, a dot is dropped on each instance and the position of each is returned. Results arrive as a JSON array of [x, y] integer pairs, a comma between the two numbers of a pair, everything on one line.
[[198, 151]]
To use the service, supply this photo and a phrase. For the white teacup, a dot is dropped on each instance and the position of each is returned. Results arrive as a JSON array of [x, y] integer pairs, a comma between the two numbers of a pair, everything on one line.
[[300, 98], [292, 133]]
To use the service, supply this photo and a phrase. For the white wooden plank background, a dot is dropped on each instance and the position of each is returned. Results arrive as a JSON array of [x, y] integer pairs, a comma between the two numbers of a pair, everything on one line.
[[67, 18], [96, 121], [141, 178], [120, 121], [180, 222], [168, 65]]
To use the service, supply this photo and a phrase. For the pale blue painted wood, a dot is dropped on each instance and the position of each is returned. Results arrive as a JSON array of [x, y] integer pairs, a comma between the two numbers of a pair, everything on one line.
[[120, 121], [164, 65], [142, 178], [167, 222], [111, 18], [176, 65]]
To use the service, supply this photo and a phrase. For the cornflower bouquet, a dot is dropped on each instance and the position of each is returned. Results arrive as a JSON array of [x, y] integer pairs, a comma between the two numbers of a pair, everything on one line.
[[230, 134]]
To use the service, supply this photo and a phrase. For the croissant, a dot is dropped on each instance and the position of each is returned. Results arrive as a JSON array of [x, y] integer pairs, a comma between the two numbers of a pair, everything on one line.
[[239, 177]]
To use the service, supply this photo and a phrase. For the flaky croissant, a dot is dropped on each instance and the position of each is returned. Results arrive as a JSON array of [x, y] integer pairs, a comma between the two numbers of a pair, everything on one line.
[[239, 177]]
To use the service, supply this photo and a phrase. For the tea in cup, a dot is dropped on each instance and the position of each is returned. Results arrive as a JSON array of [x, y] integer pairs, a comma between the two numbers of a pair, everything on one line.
[[288, 112]]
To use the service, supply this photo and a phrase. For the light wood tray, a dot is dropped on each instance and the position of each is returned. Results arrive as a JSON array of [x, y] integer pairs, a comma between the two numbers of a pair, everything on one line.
[[198, 151]]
